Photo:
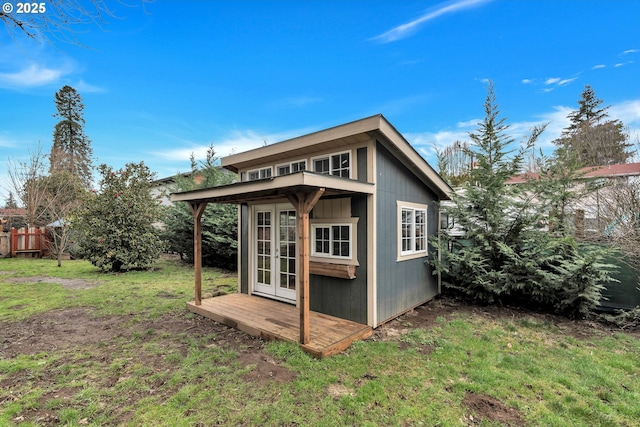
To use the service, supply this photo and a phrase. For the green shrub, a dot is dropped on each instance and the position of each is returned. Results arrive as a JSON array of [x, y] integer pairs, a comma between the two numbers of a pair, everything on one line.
[[116, 223]]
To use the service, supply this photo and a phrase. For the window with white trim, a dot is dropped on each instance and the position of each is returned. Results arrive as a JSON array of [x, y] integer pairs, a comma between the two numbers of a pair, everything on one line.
[[331, 240], [341, 164], [338, 164], [321, 165], [412, 230], [260, 173], [292, 167]]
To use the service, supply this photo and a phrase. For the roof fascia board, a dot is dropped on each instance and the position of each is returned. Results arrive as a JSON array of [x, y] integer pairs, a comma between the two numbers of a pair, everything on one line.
[[337, 132]]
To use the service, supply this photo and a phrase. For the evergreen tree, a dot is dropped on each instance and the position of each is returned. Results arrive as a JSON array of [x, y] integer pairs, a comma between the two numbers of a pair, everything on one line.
[[506, 254], [116, 224], [588, 112], [590, 139], [219, 221], [71, 150], [11, 202]]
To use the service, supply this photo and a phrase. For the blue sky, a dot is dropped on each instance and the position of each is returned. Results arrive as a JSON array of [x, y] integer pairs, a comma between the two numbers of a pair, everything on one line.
[[164, 81]]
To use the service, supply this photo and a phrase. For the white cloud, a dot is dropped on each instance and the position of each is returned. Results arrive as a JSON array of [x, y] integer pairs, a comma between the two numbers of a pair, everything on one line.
[[619, 64], [628, 112], [527, 81], [629, 51], [426, 142], [468, 123], [32, 76], [564, 82], [84, 87], [4, 142], [599, 66], [556, 120], [409, 28], [235, 141], [552, 82]]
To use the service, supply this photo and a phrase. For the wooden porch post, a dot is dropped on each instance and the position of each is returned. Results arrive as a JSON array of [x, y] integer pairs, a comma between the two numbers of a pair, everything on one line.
[[197, 208], [303, 203]]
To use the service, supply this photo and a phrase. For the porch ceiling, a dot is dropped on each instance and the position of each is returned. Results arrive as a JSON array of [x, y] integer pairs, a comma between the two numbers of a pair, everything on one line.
[[275, 188]]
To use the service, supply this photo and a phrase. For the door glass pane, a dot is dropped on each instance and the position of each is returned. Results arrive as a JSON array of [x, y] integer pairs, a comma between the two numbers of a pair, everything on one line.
[[287, 236], [263, 247]]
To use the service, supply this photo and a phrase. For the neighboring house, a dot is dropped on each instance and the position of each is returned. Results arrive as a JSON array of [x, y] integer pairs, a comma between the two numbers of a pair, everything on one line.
[[162, 188], [607, 213], [590, 210], [336, 222]]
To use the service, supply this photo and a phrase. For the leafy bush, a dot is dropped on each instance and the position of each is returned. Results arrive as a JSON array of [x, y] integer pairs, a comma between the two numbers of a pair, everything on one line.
[[116, 224]]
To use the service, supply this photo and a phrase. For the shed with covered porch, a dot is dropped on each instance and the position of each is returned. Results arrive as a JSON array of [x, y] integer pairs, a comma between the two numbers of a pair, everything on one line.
[[334, 227]]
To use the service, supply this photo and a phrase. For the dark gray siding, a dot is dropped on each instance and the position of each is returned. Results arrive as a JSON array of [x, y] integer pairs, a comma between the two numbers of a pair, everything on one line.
[[343, 297], [405, 284], [244, 248]]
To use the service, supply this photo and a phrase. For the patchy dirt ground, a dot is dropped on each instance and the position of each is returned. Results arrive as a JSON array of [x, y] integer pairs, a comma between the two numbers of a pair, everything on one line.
[[66, 283], [78, 327]]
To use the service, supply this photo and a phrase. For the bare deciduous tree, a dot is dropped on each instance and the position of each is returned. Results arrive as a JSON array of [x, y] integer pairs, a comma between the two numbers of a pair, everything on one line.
[[55, 19], [27, 183], [62, 199], [48, 199], [619, 216], [455, 162]]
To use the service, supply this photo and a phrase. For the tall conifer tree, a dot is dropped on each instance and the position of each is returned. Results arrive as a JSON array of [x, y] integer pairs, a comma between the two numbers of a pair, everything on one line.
[[591, 139], [505, 253], [71, 150]]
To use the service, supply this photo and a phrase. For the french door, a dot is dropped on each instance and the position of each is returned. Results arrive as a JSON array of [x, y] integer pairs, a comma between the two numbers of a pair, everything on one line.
[[275, 252]]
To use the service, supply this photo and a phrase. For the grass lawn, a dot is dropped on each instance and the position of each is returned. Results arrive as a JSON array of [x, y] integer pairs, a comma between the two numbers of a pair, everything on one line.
[[79, 347]]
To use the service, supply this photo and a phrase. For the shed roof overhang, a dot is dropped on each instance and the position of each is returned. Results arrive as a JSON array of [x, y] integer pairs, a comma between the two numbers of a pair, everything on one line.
[[275, 188], [375, 127]]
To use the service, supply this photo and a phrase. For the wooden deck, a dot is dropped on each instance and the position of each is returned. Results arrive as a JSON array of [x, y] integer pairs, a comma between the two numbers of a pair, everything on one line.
[[268, 319]]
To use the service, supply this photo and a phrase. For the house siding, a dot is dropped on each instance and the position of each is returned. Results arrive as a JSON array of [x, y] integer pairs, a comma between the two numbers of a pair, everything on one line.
[[345, 298], [401, 285]]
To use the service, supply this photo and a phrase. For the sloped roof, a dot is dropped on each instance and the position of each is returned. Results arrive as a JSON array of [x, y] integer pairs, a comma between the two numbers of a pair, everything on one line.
[[339, 136], [607, 171], [626, 169], [12, 212]]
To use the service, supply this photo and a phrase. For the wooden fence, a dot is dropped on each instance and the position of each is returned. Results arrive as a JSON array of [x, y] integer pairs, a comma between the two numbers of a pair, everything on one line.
[[5, 244], [32, 241]]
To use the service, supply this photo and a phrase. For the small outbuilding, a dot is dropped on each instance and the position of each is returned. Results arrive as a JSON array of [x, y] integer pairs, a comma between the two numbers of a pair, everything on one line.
[[334, 232]]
